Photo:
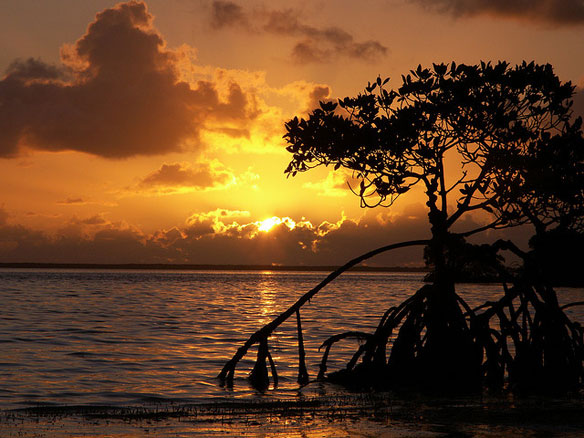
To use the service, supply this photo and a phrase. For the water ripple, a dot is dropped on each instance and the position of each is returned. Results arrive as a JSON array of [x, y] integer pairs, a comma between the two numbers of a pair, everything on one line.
[[91, 337]]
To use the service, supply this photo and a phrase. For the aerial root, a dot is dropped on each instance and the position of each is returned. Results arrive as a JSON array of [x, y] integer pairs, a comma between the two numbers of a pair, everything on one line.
[[303, 377], [435, 340], [259, 375], [524, 340]]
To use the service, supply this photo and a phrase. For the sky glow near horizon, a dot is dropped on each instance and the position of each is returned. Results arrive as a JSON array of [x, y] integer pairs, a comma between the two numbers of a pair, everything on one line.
[[151, 132]]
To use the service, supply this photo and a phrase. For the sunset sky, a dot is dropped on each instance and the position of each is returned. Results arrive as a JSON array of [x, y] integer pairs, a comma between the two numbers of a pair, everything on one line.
[[151, 132]]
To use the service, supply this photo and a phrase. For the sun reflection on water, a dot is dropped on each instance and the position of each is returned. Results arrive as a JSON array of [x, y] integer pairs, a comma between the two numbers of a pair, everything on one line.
[[267, 297]]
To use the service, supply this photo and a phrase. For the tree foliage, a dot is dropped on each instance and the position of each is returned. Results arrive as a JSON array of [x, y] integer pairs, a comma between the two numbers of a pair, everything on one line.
[[520, 150], [520, 158]]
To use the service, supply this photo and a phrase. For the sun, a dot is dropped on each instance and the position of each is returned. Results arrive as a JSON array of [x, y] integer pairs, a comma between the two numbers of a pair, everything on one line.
[[267, 224]]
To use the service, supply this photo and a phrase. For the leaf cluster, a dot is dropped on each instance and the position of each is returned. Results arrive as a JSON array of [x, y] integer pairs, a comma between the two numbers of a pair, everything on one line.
[[521, 151]]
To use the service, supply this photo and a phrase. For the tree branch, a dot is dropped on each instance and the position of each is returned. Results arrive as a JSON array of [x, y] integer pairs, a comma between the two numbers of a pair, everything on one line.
[[469, 196], [228, 370]]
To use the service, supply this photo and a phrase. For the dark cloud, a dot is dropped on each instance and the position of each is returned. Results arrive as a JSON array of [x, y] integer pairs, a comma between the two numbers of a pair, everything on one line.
[[319, 93], [226, 14], [3, 216], [320, 45], [97, 219], [72, 201], [182, 175], [33, 70], [118, 94], [76, 201], [224, 237], [547, 11], [314, 44], [307, 51]]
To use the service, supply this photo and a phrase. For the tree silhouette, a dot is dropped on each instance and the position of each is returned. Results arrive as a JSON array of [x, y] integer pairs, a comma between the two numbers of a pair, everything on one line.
[[484, 138], [511, 127]]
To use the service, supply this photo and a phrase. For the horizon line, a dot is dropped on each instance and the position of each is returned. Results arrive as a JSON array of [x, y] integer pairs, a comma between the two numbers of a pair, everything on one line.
[[203, 267]]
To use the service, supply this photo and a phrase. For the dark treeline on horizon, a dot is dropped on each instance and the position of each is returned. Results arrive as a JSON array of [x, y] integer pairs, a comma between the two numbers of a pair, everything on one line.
[[197, 267]]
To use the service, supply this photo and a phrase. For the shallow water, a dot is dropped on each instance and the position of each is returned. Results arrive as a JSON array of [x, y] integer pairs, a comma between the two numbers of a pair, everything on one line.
[[122, 338]]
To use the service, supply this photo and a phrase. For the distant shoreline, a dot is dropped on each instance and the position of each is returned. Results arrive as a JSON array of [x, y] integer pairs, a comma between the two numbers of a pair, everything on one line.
[[196, 267]]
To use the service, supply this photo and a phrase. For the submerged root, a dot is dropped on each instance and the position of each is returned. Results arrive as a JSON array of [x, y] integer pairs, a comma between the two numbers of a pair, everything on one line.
[[258, 376], [524, 340], [548, 346], [434, 341], [432, 347]]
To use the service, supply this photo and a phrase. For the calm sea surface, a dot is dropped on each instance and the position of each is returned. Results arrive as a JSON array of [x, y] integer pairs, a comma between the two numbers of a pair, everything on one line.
[[126, 337]]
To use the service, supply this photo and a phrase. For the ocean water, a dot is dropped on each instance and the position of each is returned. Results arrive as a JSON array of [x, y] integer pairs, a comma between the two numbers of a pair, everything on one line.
[[121, 338]]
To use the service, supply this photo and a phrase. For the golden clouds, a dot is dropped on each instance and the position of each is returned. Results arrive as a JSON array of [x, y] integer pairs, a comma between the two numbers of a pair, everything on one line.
[[176, 176], [335, 184], [268, 224], [197, 132], [222, 222], [219, 221], [118, 94], [268, 108], [219, 236], [121, 92], [224, 236]]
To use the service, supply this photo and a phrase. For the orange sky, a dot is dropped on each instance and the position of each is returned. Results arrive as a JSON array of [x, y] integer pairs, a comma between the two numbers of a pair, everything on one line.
[[147, 133]]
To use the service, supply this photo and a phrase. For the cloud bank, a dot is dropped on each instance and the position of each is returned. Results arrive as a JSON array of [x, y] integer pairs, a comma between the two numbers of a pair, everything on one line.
[[217, 237], [117, 94], [557, 12], [313, 44], [224, 236]]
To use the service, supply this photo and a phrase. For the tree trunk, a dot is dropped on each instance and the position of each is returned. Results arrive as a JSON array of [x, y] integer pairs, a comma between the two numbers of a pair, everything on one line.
[[449, 357]]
